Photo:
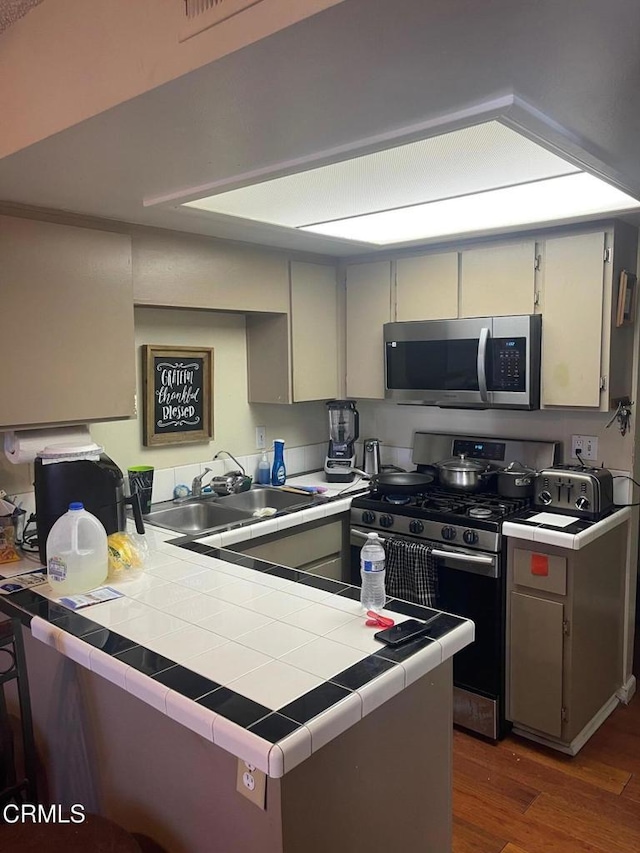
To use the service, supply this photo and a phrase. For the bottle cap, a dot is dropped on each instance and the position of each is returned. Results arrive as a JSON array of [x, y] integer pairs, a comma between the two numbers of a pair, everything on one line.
[[76, 505]]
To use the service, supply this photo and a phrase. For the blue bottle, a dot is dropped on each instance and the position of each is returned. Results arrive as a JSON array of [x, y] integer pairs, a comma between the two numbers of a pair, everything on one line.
[[278, 471]]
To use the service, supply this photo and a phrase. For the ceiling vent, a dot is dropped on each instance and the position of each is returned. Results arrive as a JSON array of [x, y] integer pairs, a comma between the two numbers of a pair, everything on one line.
[[203, 14]]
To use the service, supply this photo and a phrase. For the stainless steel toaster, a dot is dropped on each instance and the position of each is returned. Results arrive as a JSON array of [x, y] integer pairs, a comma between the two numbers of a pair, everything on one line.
[[574, 490]]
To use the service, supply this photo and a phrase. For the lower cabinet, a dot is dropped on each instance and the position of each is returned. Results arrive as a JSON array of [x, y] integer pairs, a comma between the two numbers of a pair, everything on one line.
[[317, 547], [565, 612]]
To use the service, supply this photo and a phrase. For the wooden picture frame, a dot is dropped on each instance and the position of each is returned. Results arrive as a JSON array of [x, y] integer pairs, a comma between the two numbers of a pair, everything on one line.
[[177, 394], [627, 298]]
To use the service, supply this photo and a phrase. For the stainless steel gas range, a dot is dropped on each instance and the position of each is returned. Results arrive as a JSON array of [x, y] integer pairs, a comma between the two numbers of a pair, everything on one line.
[[464, 534]]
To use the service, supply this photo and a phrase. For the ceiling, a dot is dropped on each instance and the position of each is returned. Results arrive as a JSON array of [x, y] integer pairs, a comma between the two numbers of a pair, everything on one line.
[[360, 77]]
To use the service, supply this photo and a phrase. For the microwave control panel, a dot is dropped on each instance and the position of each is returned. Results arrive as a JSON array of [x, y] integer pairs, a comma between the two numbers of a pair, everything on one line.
[[508, 368]]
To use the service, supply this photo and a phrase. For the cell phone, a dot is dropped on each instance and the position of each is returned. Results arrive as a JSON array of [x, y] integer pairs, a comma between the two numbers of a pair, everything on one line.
[[410, 629]]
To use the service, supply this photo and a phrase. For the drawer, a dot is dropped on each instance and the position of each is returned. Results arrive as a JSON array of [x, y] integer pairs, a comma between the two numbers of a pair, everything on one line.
[[537, 570]]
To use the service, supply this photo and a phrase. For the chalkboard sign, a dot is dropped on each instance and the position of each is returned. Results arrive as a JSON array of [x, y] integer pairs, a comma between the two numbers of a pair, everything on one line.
[[177, 391]]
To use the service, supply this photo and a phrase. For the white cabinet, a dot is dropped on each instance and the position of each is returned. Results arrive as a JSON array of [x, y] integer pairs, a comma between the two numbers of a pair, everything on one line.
[[368, 309], [293, 357], [67, 309], [498, 281], [427, 287], [586, 358]]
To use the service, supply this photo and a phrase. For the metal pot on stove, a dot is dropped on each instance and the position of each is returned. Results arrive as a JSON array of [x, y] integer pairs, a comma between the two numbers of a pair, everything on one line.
[[465, 475], [516, 481]]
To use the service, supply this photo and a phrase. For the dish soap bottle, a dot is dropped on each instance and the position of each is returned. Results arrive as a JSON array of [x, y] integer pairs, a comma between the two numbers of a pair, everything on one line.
[[278, 472], [264, 470]]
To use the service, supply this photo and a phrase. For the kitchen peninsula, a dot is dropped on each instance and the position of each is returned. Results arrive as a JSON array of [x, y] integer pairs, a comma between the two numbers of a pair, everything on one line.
[[145, 706]]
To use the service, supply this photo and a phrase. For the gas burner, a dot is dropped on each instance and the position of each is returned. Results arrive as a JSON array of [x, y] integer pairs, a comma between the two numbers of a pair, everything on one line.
[[480, 512], [442, 504], [397, 500]]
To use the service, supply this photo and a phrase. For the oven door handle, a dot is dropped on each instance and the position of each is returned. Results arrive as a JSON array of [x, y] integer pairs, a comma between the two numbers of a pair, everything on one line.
[[474, 563], [482, 364]]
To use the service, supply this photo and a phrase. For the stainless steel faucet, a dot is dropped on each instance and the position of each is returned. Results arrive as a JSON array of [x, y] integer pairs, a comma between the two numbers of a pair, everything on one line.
[[196, 485], [232, 457]]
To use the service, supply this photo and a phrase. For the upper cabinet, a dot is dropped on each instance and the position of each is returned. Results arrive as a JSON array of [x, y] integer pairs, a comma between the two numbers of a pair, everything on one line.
[[498, 280], [186, 271], [368, 309], [427, 287], [587, 359], [293, 357], [68, 294]]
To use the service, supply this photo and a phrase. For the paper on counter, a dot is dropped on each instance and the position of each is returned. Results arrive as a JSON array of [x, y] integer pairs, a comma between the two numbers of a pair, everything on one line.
[[552, 519]]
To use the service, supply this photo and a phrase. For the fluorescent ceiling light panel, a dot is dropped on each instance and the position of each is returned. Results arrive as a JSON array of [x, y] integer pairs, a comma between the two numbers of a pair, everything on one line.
[[453, 183], [543, 201]]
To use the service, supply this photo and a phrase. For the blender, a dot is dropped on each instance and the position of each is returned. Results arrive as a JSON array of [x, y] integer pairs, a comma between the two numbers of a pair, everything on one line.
[[344, 425]]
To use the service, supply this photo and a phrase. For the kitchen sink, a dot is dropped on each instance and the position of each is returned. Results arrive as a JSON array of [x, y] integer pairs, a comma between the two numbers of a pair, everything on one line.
[[196, 516], [260, 497]]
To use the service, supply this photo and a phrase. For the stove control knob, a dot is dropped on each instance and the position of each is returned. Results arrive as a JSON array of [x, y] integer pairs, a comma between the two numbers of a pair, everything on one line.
[[416, 526], [582, 504], [368, 517], [470, 537], [386, 521], [545, 497], [448, 533]]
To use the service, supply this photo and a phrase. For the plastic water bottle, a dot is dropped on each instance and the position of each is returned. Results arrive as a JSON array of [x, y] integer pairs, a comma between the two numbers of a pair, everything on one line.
[[77, 553], [278, 472], [264, 471], [372, 594]]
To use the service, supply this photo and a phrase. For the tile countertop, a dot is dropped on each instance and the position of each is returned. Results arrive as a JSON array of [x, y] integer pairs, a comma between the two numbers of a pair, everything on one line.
[[267, 662], [573, 536]]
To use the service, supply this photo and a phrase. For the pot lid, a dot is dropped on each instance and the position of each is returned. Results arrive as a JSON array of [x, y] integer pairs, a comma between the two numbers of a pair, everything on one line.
[[461, 463], [517, 468]]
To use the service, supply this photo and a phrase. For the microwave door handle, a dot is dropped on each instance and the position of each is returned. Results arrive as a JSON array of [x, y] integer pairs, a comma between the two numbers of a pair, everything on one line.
[[482, 364]]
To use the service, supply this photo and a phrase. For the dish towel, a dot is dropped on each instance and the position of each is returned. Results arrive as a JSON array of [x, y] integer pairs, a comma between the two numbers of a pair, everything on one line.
[[411, 572]]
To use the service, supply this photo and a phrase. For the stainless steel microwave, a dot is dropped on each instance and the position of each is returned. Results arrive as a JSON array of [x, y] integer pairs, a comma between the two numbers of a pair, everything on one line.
[[476, 363]]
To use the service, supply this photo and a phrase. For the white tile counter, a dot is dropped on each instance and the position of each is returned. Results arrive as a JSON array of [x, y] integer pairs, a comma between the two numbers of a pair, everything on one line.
[[574, 536], [267, 662]]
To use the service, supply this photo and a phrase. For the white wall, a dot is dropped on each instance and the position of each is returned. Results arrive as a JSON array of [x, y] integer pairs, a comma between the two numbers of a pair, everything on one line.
[[234, 418]]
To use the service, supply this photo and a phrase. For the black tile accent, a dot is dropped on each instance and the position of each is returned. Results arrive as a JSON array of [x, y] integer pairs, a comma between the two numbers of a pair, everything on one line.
[[416, 611], [274, 727], [186, 682], [145, 660], [234, 707], [198, 547], [441, 624], [78, 625], [399, 653], [244, 560], [352, 592], [109, 641], [38, 605], [319, 582], [362, 672], [285, 573], [314, 702]]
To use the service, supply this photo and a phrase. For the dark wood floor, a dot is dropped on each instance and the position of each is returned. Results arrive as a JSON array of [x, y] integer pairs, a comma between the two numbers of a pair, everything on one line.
[[517, 797]]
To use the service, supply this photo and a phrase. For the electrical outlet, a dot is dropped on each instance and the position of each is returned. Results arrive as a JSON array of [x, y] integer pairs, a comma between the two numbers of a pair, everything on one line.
[[586, 444], [261, 437], [252, 783]]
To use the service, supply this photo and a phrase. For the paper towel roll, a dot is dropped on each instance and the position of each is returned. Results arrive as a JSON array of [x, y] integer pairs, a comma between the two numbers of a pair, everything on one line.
[[23, 445]]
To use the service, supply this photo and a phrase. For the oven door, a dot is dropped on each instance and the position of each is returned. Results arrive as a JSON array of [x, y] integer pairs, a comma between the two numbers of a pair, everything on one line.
[[470, 584]]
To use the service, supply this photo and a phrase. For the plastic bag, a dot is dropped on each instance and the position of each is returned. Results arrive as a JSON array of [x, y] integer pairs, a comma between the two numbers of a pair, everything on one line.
[[8, 552], [128, 554]]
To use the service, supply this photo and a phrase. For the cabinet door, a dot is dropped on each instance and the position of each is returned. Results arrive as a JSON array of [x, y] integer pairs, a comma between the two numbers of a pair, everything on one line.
[[535, 663], [498, 281], [368, 308], [314, 331], [427, 287], [572, 304], [68, 294]]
